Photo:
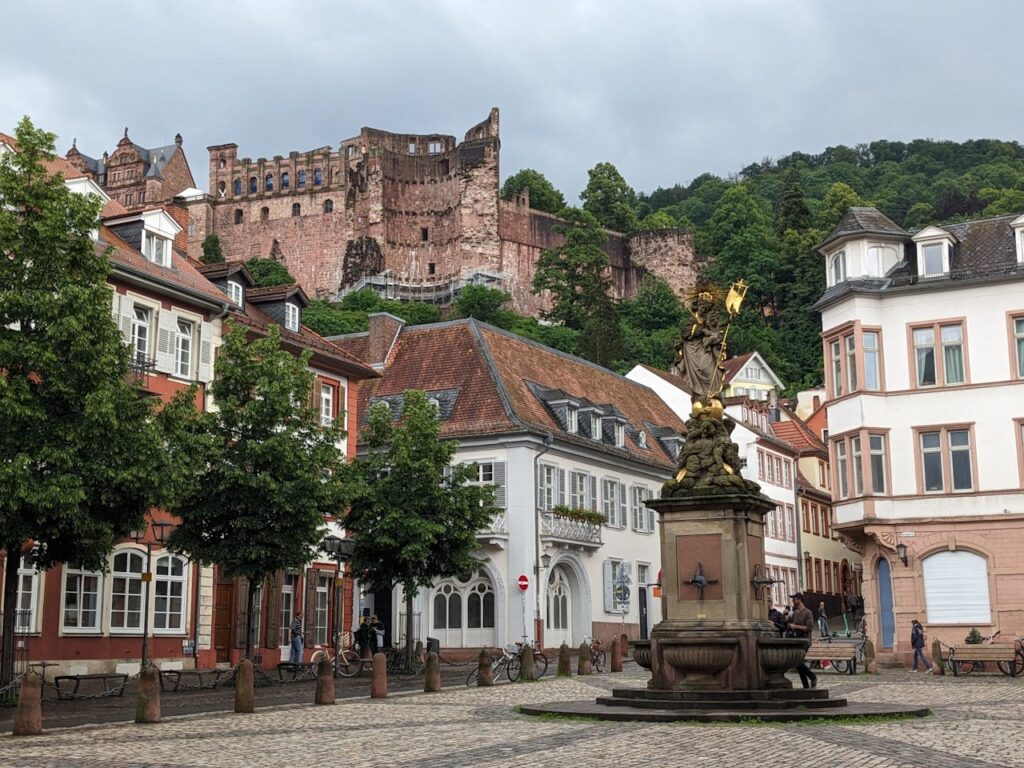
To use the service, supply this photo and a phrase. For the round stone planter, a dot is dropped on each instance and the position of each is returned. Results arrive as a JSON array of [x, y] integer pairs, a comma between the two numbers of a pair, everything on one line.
[[699, 660], [778, 654], [641, 652]]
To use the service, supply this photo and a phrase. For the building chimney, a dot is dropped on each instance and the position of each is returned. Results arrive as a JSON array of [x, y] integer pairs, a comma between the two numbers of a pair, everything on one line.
[[384, 330], [817, 402]]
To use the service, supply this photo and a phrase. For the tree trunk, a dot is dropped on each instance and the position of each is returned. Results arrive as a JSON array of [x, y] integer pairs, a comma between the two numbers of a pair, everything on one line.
[[250, 597], [409, 644], [10, 613]]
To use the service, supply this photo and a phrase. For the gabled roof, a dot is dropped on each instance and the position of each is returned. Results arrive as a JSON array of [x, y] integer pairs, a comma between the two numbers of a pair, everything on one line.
[[798, 435], [277, 293], [226, 269], [860, 221], [498, 376]]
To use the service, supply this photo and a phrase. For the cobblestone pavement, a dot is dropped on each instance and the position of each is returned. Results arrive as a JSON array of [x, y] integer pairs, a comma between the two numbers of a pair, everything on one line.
[[976, 723]]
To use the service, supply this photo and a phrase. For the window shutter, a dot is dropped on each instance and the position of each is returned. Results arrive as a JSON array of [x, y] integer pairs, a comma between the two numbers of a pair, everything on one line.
[[273, 595], [593, 493], [166, 331], [561, 486], [115, 305], [126, 320], [650, 516], [309, 614], [540, 486], [206, 353], [498, 468], [637, 511], [609, 586], [241, 603], [622, 505]]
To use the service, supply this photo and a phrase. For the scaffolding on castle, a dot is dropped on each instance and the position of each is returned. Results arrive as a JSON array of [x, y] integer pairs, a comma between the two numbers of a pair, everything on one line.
[[441, 292]]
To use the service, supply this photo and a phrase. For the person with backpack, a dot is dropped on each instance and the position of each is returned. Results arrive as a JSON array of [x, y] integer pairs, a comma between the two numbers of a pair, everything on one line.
[[917, 643]]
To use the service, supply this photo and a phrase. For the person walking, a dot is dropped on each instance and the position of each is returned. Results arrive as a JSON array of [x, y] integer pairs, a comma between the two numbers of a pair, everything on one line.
[[801, 624], [822, 619], [917, 643], [296, 629]]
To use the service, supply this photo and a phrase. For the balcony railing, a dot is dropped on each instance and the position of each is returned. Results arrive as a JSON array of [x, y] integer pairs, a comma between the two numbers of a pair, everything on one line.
[[562, 530], [140, 368], [497, 532]]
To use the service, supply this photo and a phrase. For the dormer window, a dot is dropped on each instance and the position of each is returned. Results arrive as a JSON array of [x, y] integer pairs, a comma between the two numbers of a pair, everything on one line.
[[934, 247], [157, 249], [236, 292], [595, 427], [291, 317], [1018, 237], [620, 435], [641, 439], [572, 419], [933, 259], [837, 268]]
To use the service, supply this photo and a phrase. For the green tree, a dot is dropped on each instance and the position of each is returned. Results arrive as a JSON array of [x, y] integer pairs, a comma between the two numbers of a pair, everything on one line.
[[655, 306], [267, 272], [657, 220], [64, 384], [212, 253], [610, 199], [413, 515], [793, 212], [601, 340], [543, 195], [264, 473], [575, 272], [485, 304], [838, 200], [415, 312], [330, 320]]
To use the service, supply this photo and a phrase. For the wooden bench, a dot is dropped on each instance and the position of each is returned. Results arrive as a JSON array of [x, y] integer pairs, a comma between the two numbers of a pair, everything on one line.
[[833, 652], [62, 682], [1004, 653], [297, 670], [170, 679]]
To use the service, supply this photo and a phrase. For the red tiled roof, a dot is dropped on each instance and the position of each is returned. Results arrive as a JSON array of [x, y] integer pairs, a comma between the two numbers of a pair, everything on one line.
[[795, 432]]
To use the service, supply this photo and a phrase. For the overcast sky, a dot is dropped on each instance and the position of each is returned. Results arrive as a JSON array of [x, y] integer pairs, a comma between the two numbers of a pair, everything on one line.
[[664, 90]]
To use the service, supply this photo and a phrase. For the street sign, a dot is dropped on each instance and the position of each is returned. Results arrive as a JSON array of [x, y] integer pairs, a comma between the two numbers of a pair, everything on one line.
[[622, 596], [524, 582]]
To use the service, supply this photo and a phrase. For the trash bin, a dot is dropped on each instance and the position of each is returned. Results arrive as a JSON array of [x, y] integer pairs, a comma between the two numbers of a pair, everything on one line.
[[433, 645]]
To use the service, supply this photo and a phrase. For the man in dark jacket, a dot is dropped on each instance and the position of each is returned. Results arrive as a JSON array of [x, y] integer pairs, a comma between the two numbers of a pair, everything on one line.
[[917, 643], [801, 624]]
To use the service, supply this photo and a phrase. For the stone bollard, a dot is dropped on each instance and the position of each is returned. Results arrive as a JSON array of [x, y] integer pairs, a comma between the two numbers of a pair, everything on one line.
[[243, 687], [870, 665], [527, 672], [564, 662], [616, 657], [938, 667], [583, 665], [147, 701], [379, 677], [420, 654], [28, 720], [324, 682], [485, 672], [432, 674], [624, 645]]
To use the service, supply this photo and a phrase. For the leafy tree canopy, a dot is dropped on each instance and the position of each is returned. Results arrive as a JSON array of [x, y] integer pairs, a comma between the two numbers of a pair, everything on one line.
[[267, 272], [212, 253], [485, 304], [610, 199], [543, 195]]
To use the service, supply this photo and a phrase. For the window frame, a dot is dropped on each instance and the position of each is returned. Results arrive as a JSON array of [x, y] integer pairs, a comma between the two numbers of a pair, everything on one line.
[[945, 451], [639, 512], [580, 487], [170, 579], [838, 259], [922, 260], [292, 321], [939, 352], [236, 292], [1015, 339], [572, 419], [846, 359], [32, 626], [328, 399], [184, 342], [70, 570], [142, 323], [130, 577]]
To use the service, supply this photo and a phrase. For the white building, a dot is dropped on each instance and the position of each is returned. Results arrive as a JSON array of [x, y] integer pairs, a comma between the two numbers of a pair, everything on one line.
[[924, 356], [573, 450]]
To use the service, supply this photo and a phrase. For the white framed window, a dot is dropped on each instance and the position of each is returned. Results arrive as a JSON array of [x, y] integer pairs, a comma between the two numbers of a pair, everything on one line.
[[1018, 342], [183, 349], [82, 590], [595, 427], [326, 405], [572, 424], [620, 435], [641, 439], [580, 490], [838, 268], [291, 316], [836, 356], [284, 632], [952, 337], [931, 460], [872, 378], [873, 265], [643, 516], [126, 591], [157, 249], [547, 490], [323, 590], [933, 259], [236, 292], [169, 594], [613, 502], [141, 317], [643, 574], [434, 147], [851, 363], [26, 600], [924, 356], [841, 469], [956, 588], [858, 467]]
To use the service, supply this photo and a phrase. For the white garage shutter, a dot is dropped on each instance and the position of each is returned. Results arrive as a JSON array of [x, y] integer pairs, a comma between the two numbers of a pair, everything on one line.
[[956, 588]]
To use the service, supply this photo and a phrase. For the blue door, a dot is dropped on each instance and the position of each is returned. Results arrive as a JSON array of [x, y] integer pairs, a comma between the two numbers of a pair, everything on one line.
[[884, 578]]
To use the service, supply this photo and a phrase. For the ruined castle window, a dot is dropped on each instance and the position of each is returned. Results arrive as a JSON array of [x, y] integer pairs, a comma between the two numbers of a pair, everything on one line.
[[301, 181], [269, 182], [238, 215], [221, 163], [318, 177], [221, 188], [434, 147], [431, 268], [296, 208], [444, 167], [350, 150], [424, 234], [238, 186], [328, 206], [252, 185], [264, 213], [412, 147], [284, 181]]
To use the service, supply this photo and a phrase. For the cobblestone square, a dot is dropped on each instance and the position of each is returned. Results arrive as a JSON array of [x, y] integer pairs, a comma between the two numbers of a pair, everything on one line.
[[975, 723]]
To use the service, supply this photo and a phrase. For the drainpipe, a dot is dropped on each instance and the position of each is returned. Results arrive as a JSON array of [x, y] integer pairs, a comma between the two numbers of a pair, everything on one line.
[[538, 624]]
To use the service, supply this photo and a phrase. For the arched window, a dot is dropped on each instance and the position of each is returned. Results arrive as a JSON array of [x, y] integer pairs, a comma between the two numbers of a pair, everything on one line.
[[447, 608], [285, 180], [253, 184], [222, 189], [328, 206], [169, 594], [126, 591], [318, 177], [301, 181], [838, 268], [480, 607], [238, 215], [268, 182], [238, 186], [296, 209], [264, 213], [956, 588]]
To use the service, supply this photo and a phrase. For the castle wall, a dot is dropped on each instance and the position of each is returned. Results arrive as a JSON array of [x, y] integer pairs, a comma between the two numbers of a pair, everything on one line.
[[668, 253]]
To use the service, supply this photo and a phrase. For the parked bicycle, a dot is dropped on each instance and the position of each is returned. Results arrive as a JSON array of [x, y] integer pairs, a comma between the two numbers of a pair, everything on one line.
[[507, 663], [598, 656], [541, 661], [348, 663], [966, 667]]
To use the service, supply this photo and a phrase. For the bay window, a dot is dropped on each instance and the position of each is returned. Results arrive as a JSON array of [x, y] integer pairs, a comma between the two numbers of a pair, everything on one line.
[[861, 466], [857, 466], [854, 357], [876, 445], [946, 459], [872, 380], [1018, 344]]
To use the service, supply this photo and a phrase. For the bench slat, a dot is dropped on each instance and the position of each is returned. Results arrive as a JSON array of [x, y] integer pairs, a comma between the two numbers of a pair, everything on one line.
[[987, 653]]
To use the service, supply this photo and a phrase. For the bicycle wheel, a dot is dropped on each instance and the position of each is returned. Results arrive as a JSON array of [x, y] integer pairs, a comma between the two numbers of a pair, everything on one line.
[[472, 677], [315, 659], [350, 665], [841, 666], [540, 664], [599, 659], [513, 669], [966, 667], [1014, 667]]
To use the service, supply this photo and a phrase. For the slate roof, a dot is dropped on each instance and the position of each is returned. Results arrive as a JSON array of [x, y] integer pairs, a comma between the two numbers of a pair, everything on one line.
[[861, 220], [224, 270], [277, 293], [503, 382]]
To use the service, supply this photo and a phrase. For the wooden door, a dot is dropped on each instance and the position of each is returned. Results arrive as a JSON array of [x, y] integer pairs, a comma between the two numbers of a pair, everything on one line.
[[222, 609]]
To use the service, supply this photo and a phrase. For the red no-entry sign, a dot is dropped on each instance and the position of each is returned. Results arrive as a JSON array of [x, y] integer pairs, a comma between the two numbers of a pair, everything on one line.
[[524, 582]]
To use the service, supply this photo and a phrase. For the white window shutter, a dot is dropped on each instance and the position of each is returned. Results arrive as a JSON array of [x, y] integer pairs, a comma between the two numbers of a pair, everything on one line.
[[593, 493], [622, 505], [498, 468], [634, 500], [540, 486], [126, 321], [167, 326], [561, 486], [206, 353], [609, 586], [115, 305]]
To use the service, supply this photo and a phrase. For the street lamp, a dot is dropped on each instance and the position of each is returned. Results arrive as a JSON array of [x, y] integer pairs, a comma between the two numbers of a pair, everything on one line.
[[339, 550], [160, 533], [901, 553]]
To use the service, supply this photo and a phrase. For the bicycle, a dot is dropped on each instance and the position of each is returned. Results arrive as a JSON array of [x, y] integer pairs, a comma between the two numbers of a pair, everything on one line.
[[598, 656], [1018, 659], [966, 667], [540, 660], [397, 663], [349, 664], [508, 663]]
